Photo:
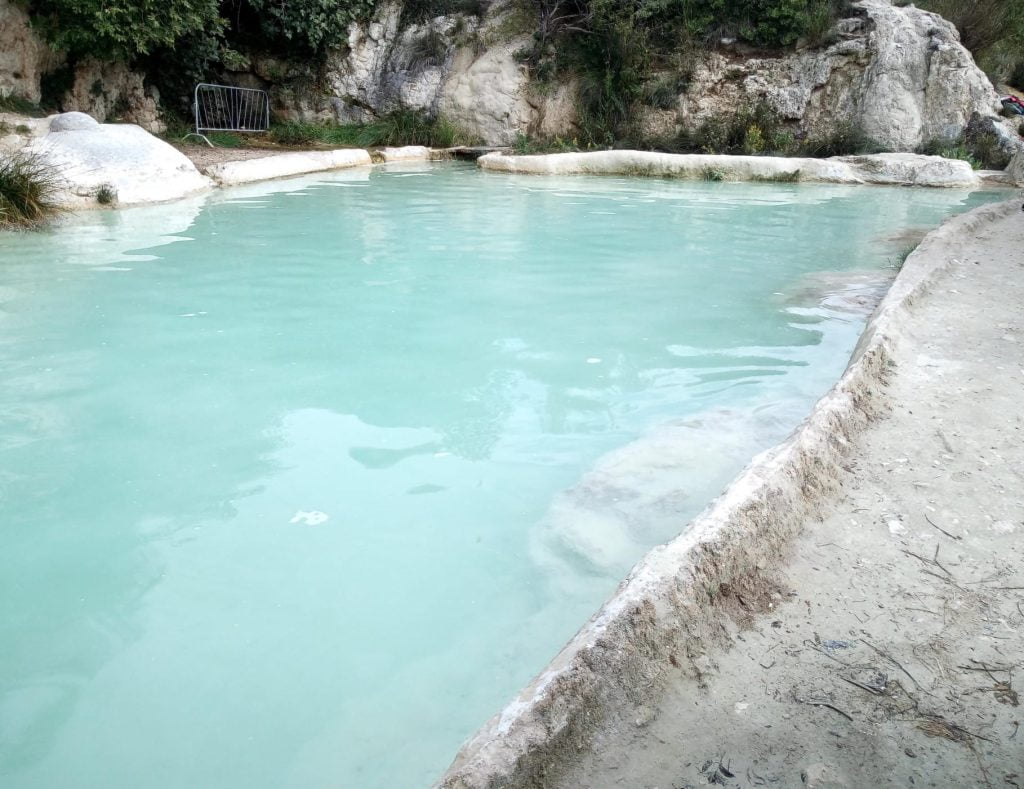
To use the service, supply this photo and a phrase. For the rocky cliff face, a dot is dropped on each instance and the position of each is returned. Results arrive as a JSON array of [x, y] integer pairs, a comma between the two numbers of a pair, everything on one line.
[[899, 72], [463, 67], [23, 57], [104, 90]]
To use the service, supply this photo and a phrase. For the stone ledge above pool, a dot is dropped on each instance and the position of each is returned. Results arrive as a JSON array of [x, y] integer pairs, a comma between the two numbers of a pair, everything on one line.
[[892, 169], [672, 608], [283, 165]]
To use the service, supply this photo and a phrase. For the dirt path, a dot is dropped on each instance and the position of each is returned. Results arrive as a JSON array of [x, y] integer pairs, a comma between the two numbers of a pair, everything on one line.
[[894, 653], [203, 156]]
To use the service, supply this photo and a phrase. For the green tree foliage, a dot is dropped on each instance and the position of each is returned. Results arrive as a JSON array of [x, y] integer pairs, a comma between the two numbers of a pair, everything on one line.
[[311, 25], [124, 29]]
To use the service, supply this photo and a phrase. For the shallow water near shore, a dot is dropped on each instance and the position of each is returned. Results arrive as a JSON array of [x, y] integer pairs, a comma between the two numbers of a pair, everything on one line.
[[299, 483]]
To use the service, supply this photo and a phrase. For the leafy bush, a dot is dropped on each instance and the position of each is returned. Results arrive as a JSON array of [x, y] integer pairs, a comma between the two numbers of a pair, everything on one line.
[[312, 25], [28, 188], [949, 149], [111, 29], [994, 32], [781, 23], [750, 130]]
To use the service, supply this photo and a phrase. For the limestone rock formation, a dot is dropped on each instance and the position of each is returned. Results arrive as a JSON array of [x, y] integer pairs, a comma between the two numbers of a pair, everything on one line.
[[457, 65], [898, 72], [112, 91], [129, 162], [107, 91], [23, 56]]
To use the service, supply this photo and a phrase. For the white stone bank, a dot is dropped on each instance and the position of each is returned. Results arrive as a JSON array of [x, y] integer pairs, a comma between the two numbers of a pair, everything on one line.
[[286, 164], [894, 169]]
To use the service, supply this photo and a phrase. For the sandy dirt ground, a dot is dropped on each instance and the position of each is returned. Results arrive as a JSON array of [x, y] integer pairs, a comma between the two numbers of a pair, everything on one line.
[[203, 156], [893, 651]]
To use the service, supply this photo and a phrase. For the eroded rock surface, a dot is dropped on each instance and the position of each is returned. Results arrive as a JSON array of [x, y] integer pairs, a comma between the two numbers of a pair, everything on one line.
[[900, 73], [112, 91], [23, 57]]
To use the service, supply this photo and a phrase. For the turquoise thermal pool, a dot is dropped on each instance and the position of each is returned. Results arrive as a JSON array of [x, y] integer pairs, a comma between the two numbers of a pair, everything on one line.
[[299, 483]]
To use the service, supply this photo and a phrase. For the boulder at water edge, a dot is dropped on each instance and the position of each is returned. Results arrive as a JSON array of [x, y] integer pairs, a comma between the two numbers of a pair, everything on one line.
[[137, 166]]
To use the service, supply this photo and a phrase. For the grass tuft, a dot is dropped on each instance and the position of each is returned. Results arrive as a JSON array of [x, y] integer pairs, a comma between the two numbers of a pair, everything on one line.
[[28, 189], [106, 195]]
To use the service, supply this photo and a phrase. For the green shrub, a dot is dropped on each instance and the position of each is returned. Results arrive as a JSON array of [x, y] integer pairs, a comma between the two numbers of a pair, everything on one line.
[[663, 91], [225, 139], [985, 146], [749, 130], [28, 188], [949, 149], [112, 29], [845, 139], [401, 127], [781, 23], [106, 195], [292, 133], [982, 23]]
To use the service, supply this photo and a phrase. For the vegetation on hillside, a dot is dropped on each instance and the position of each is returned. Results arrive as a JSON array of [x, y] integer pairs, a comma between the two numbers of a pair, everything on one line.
[[994, 32], [628, 56], [642, 52], [179, 42]]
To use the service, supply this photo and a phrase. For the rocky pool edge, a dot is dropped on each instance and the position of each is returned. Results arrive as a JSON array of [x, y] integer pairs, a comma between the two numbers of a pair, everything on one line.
[[673, 608]]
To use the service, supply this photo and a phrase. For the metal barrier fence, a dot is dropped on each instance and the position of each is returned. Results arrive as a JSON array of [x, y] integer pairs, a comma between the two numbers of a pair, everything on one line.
[[225, 108]]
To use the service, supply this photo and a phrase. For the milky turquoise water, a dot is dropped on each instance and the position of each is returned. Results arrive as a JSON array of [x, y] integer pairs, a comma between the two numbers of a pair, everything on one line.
[[299, 483]]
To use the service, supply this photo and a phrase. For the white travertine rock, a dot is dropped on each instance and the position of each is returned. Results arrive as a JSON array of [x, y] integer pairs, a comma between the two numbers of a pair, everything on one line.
[[73, 121], [286, 164], [899, 73], [910, 169], [137, 166], [406, 153], [906, 169]]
